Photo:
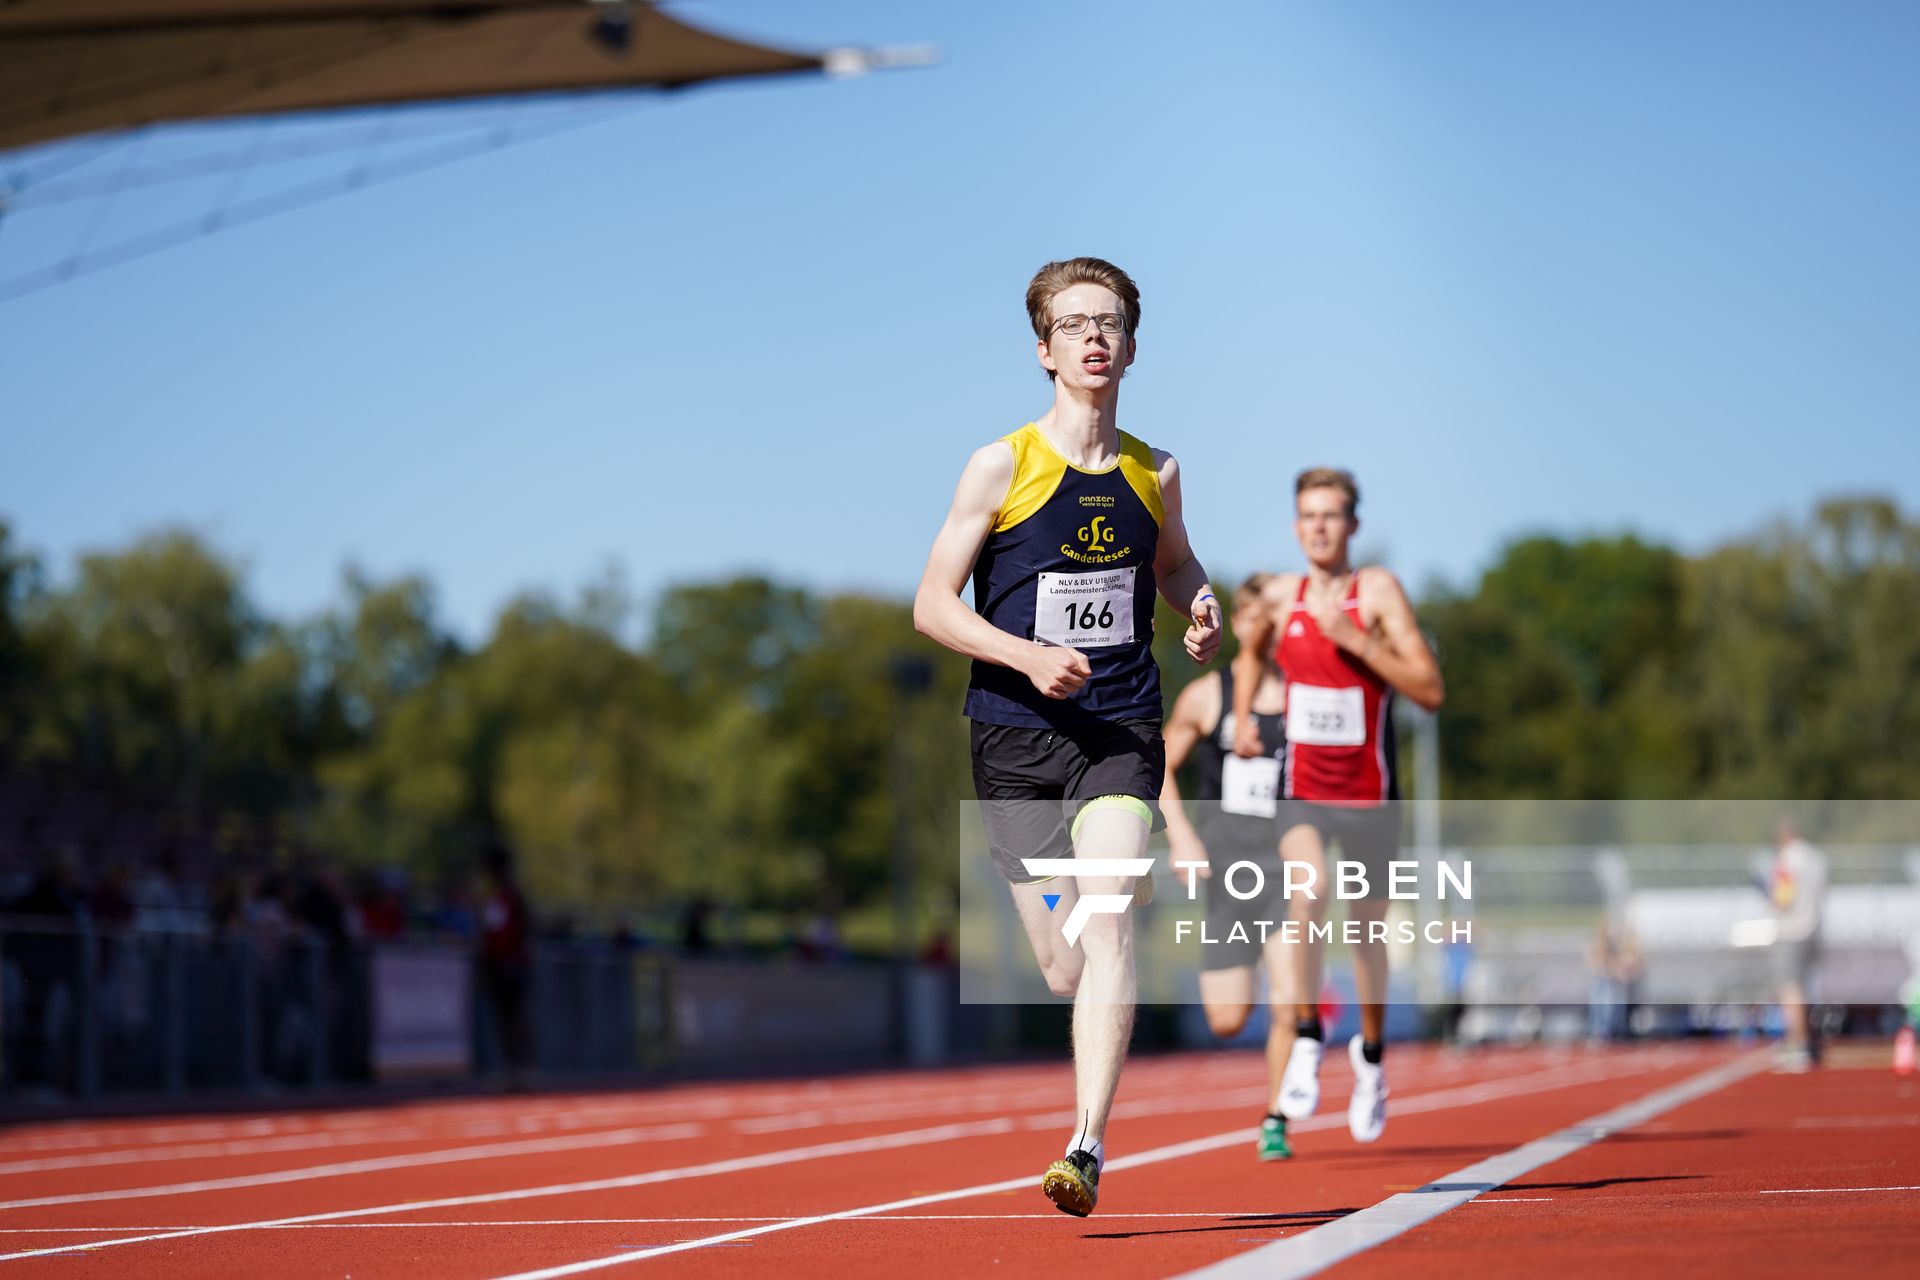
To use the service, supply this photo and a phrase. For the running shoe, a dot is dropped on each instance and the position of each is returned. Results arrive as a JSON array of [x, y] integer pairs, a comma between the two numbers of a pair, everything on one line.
[[1273, 1139], [1367, 1108], [1300, 1082], [1073, 1183]]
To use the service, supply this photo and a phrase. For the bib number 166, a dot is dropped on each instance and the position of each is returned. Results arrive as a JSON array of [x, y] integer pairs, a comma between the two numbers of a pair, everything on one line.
[[1085, 610], [1083, 618]]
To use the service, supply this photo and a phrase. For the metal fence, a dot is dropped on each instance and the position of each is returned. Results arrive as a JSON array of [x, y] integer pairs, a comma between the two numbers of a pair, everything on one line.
[[87, 1013]]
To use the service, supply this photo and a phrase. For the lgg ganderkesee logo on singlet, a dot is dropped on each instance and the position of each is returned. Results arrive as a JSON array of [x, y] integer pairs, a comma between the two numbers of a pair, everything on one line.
[[1097, 537]]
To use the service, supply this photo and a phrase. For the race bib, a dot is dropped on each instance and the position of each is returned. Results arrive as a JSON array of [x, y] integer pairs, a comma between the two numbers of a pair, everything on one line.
[[1326, 717], [1085, 610], [1250, 787]]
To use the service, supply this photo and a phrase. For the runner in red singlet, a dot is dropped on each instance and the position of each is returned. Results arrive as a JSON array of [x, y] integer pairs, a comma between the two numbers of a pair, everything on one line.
[[1347, 641]]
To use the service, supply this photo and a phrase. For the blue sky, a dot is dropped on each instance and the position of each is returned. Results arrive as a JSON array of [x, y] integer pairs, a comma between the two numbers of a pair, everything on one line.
[[1522, 267]]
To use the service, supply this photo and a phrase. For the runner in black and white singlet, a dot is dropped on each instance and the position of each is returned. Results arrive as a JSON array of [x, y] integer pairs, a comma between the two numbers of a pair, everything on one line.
[[1230, 820], [1069, 528]]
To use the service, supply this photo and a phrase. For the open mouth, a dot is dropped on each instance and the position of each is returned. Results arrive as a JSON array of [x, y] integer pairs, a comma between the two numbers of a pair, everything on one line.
[[1095, 361]]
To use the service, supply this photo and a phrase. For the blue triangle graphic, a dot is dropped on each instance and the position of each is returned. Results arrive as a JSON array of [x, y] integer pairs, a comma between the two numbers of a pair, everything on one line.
[[1051, 899]]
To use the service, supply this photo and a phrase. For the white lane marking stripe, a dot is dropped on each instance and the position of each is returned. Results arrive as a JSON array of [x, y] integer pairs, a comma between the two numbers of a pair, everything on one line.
[[1550, 1079], [377, 1164], [250, 1147], [1827, 1191], [792, 1155], [1853, 1122], [1260, 1214], [1319, 1248]]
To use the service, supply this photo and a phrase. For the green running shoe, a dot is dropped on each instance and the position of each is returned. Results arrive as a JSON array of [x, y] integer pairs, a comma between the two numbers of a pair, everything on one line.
[[1273, 1139], [1073, 1183]]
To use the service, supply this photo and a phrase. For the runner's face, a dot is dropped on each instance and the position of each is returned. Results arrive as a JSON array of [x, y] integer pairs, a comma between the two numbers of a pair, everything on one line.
[[1094, 360], [1323, 526], [1242, 622]]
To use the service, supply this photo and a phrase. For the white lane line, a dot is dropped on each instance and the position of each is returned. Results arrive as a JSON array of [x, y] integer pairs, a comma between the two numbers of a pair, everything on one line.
[[377, 1164], [792, 1155], [1515, 1200], [1319, 1248], [1553, 1078], [242, 1147], [521, 1112], [628, 1222], [1828, 1191]]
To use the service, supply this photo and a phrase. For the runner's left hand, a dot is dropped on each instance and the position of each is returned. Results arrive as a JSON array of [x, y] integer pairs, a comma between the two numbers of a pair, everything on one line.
[[1203, 634]]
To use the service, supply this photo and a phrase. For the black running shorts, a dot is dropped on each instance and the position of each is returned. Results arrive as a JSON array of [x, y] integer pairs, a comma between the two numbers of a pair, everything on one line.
[[1032, 783], [1368, 835], [1230, 839]]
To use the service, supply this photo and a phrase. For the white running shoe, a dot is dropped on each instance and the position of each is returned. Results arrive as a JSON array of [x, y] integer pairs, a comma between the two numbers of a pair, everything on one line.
[[1367, 1108], [1300, 1082]]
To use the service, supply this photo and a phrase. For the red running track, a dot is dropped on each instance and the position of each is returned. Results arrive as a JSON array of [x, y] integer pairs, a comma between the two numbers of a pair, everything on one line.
[[938, 1171]]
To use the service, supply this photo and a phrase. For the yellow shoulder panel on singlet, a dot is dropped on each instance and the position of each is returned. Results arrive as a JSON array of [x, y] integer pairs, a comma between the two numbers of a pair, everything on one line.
[[1136, 464], [1037, 470]]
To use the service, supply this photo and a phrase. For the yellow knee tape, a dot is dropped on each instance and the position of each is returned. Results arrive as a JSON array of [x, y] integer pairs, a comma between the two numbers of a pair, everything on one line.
[[1130, 804]]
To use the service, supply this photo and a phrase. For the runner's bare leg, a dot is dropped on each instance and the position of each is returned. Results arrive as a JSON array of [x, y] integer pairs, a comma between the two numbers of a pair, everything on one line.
[[1370, 968]]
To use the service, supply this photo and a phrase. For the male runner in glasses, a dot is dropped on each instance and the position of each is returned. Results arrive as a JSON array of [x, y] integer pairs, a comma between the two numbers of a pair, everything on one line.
[[1068, 527]]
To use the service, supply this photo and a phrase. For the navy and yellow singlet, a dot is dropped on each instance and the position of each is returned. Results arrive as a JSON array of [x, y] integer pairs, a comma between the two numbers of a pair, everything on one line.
[[1069, 561]]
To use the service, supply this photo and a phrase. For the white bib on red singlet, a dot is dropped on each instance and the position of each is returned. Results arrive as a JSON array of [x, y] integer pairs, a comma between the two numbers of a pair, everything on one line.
[[1327, 717]]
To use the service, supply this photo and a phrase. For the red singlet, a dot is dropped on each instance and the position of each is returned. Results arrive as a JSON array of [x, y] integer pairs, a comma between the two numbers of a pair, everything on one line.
[[1340, 746]]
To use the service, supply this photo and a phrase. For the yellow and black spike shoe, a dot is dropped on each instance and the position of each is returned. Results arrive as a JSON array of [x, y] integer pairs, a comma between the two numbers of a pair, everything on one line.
[[1073, 1183]]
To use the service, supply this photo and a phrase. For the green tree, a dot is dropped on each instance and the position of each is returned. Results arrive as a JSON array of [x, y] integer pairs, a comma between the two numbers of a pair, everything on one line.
[[1545, 664]]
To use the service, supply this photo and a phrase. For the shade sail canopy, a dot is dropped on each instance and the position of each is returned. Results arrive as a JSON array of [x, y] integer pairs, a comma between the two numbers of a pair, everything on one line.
[[70, 67]]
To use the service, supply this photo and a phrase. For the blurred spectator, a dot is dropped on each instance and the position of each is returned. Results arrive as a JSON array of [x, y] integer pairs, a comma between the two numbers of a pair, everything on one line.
[[939, 950], [55, 895], [46, 954], [1799, 893], [696, 927], [383, 911], [111, 904], [506, 958], [158, 900], [1614, 968], [819, 938], [452, 916], [321, 904]]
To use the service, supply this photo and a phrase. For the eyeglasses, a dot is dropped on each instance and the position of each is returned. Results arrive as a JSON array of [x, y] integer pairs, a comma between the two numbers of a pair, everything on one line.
[[1073, 326]]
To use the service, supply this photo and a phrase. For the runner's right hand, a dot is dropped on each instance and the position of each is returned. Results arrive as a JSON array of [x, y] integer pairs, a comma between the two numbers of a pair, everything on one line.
[[1246, 738], [1057, 670]]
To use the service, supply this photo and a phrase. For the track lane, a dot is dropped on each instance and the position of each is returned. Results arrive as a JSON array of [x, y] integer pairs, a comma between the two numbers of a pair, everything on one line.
[[810, 1187], [1735, 1184]]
